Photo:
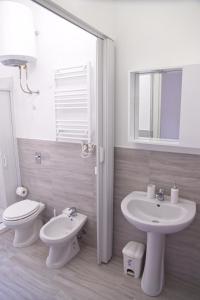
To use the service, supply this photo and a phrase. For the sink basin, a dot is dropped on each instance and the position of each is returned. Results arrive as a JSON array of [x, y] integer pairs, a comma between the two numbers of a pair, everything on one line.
[[157, 218]]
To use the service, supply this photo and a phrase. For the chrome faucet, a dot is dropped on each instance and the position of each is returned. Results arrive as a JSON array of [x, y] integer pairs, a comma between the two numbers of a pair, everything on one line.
[[72, 212], [160, 195]]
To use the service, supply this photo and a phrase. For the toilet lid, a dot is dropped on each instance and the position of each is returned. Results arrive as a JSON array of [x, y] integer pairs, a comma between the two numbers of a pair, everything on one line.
[[21, 209]]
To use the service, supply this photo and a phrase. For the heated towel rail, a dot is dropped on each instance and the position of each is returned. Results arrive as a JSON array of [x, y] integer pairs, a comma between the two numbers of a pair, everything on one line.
[[73, 104]]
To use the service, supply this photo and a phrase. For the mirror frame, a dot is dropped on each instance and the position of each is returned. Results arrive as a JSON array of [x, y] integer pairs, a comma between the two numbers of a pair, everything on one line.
[[132, 81]]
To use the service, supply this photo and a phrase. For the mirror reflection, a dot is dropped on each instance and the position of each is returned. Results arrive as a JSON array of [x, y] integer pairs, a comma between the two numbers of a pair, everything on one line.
[[158, 104]]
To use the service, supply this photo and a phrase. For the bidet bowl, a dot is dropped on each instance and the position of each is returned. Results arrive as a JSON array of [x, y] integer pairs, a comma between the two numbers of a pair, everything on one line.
[[62, 228], [152, 215]]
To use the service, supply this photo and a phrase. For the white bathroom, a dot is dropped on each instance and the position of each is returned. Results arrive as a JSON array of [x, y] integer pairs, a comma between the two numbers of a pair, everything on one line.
[[99, 149]]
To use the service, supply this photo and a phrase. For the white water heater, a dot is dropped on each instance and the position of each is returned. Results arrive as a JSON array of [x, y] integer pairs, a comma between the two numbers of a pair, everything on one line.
[[17, 34]]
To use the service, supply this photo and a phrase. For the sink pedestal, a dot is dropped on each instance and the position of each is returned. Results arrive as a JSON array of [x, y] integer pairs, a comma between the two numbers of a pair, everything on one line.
[[157, 219], [153, 275]]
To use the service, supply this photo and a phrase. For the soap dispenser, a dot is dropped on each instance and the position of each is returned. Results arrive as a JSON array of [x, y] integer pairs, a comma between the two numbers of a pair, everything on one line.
[[174, 194]]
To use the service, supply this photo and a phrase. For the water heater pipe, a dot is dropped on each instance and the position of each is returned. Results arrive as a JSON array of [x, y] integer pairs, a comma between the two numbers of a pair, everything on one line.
[[28, 89]]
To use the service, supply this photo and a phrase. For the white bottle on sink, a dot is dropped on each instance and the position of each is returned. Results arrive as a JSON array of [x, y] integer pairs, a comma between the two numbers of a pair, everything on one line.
[[174, 194], [151, 191]]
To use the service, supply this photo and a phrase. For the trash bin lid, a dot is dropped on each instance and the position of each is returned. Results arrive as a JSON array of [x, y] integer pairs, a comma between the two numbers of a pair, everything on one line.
[[134, 249]]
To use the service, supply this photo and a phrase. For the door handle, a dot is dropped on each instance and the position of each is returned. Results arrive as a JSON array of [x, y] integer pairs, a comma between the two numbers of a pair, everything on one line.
[[101, 154], [5, 164], [3, 160]]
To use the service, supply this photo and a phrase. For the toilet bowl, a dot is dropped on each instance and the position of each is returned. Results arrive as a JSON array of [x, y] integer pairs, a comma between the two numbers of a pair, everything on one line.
[[60, 234], [24, 218]]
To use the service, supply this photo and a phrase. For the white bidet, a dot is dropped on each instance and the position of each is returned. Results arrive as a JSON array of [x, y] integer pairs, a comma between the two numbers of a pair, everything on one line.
[[60, 234]]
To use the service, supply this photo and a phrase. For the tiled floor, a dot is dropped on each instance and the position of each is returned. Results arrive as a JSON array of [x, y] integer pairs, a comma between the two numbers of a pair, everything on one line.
[[24, 276]]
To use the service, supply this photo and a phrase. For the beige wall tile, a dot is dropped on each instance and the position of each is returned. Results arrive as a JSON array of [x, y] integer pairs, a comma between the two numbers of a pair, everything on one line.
[[63, 179]]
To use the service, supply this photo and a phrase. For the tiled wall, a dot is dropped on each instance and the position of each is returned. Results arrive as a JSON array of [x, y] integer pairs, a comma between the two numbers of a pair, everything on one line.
[[134, 169], [63, 179]]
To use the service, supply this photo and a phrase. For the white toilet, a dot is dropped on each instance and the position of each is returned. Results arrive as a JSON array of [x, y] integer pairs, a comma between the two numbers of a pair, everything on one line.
[[60, 234], [24, 218]]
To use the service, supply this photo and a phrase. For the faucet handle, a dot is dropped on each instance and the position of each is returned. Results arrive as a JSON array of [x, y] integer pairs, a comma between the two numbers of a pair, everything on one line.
[[72, 211], [160, 195]]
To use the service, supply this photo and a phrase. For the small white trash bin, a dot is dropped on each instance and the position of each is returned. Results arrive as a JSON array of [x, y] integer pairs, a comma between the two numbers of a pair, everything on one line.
[[133, 254]]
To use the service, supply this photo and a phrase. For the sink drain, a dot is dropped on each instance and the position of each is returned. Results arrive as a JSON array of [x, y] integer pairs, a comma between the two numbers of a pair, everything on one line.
[[155, 221]]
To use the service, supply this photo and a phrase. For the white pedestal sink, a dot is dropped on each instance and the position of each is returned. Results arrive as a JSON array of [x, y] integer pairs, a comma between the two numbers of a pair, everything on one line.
[[157, 219]]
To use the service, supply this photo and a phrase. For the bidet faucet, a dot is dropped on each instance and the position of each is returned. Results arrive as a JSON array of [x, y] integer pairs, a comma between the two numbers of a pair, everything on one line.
[[160, 195], [72, 212]]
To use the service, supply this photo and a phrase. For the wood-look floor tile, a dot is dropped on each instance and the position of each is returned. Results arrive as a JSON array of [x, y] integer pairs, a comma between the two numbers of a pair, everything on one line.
[[24, 276]]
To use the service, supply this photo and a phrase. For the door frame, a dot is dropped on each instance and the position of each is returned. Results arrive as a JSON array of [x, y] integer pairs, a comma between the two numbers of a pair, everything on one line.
[[6, 85], [63, 13], [105, 130]]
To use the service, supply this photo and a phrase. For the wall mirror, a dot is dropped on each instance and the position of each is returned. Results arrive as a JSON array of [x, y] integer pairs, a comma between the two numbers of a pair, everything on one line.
[[157, 104]]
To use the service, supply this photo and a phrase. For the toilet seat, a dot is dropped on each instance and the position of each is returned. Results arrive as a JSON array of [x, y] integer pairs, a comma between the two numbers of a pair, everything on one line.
[[21, 210]]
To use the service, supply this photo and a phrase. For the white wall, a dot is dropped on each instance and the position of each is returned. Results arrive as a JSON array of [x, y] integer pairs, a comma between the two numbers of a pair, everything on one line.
[[148, 34], [152, 34], [59, 44]]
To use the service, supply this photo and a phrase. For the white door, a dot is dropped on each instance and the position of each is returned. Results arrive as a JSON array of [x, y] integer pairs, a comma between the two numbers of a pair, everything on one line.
[[105, 148], [8, 169]]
